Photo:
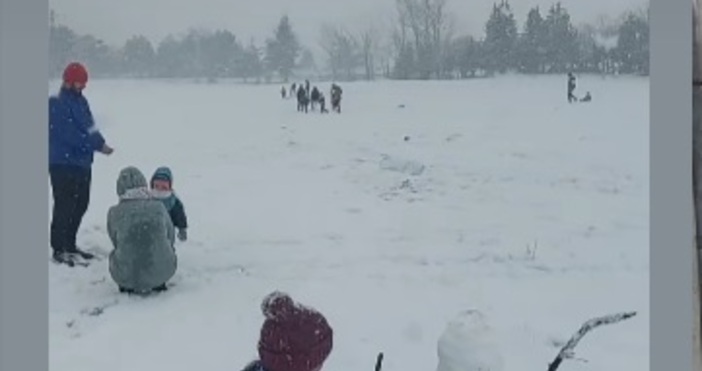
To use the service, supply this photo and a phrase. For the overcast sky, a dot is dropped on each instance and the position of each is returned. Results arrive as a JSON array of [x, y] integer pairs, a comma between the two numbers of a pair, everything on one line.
[[116, 20]]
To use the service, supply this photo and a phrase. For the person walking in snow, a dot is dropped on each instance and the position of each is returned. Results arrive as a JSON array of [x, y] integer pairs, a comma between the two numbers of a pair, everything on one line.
[[571, 88], [282, 92], [162, 189], [73, 140], [336, 97], [303, 100], [293, 337], [144, 258], [314, 97]]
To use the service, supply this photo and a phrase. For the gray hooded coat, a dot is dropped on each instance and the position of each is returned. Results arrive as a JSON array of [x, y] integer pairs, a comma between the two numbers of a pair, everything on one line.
[[142, 234]]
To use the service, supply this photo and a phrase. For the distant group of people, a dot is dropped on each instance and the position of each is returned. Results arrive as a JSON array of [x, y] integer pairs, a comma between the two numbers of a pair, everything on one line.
[[571, 91], [147, 219], [310, 97]]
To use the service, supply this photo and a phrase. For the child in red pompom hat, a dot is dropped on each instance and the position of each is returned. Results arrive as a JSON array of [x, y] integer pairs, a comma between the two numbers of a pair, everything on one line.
[[293, 337]]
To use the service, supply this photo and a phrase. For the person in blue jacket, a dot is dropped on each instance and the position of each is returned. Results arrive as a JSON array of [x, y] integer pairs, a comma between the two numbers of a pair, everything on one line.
[[73, 139]]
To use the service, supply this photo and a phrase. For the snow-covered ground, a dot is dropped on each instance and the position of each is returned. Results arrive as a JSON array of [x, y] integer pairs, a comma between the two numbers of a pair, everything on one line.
[[504, 199]]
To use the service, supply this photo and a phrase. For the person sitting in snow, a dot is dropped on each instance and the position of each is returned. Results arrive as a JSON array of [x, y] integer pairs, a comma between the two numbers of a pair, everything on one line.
[[162, 188], [143, 236], [586, 98], [293, 337], [322, 103]]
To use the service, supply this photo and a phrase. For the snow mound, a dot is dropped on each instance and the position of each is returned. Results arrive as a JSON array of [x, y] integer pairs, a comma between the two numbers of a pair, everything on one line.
[[392, 163], [468, 344]]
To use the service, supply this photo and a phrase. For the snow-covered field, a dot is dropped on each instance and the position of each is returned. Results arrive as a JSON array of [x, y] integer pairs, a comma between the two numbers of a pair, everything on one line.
[[505, 199]]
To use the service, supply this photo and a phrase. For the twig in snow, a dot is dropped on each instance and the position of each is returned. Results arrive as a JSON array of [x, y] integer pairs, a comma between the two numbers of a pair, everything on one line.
[[379, 362], [567, 352], [98, 310], [531, 250]]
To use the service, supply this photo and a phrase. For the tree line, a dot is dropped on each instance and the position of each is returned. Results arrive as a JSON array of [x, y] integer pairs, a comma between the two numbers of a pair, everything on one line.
[[419, 44], [204, 54]]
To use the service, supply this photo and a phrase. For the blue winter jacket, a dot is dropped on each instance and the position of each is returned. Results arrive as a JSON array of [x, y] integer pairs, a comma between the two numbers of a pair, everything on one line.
[[73, 137]]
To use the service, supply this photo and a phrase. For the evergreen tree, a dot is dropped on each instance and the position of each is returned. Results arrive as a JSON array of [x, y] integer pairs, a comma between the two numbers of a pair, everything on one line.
[[500, 38], [219, 51], [251, 63], [532, 43], [61, 41], [139, 56], [632, 45], [561, 41], [283, 49]]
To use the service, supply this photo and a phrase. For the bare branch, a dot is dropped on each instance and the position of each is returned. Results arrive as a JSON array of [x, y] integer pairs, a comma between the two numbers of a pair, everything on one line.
[[567, 351]]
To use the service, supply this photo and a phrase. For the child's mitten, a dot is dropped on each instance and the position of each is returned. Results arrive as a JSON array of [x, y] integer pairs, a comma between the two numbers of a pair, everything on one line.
[[182, 234]]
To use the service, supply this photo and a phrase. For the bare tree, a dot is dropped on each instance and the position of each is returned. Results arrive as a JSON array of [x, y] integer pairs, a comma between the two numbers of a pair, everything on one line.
[[342, 49], [445, 35], [384, 45], [440, 31], [327, 43], [400, 33], [367, 47], [426, 23]]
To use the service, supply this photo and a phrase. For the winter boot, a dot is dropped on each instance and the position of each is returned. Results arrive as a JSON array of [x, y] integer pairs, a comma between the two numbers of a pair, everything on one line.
[[160, 288], [125, 290], [62, 257], [83, 254]]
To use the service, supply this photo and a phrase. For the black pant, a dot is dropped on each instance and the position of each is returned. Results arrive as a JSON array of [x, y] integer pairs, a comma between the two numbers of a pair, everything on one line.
[[71, 191]]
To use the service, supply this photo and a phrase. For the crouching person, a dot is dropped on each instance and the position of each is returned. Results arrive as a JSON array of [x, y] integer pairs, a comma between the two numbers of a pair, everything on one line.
[[293, 337], [143, 236]]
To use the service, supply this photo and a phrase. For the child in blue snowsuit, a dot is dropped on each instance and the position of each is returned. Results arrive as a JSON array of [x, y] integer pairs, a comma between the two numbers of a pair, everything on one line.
[[162, 188]]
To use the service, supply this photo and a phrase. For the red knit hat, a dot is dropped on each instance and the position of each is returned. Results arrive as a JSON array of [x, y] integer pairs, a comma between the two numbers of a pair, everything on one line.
[[75, 73], [293, 337]]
